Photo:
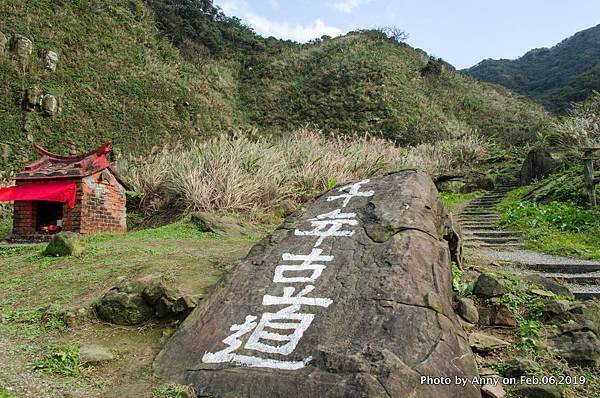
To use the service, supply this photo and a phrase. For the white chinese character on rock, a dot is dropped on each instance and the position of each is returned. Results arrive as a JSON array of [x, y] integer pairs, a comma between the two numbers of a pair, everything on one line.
[[351, 191], [329, 224], [283, 271], [270, 329], [233, 341]]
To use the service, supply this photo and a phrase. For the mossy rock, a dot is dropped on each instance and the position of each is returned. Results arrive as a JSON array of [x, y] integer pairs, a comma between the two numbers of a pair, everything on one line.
[[220, 225], [123, 308], [65, 244]]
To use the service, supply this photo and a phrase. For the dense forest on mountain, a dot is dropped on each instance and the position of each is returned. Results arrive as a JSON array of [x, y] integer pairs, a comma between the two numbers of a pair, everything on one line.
[[554, 77]]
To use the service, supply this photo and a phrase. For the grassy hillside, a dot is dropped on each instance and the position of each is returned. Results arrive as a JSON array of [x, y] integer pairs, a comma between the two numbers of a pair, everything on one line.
[[554, 77], [148, 73], [117, 77], [366, 82]]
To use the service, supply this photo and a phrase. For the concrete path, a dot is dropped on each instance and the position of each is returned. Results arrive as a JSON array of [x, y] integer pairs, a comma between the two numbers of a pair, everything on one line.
[[479, 223]]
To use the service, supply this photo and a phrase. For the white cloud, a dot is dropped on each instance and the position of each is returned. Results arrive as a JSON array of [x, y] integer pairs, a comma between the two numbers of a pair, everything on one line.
[[297, 32], [285, 30], [348, 5]]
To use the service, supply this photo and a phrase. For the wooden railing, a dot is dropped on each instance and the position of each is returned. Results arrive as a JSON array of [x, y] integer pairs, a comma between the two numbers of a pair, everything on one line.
[[590, 155]]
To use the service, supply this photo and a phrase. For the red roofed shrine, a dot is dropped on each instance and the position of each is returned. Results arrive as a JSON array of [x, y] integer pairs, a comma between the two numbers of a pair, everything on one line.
[[80, 193]]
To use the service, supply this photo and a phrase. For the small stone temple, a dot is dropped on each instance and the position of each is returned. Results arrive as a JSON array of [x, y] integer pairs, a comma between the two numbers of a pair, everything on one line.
[[77, 193]]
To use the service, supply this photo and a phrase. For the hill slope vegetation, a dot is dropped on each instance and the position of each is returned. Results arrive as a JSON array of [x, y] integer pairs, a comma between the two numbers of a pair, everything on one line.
[[555, 77], [148, 73]]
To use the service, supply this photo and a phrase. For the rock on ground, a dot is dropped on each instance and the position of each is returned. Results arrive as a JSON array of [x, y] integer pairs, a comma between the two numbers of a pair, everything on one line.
[[484, 342], [93, 354], [65, 244], [538, 164], [221, 225], [536, 391], [488, 286], [468, 310], [138, 301], [491, 391], [50, 60], [577, 343], [379, 316], [49, 105], [22, 47]]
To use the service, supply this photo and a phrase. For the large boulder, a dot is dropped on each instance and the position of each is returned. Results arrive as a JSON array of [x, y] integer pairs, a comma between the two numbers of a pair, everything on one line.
[[65, 244], [353, 298], [538, 164], [138, 301], [577, 343]]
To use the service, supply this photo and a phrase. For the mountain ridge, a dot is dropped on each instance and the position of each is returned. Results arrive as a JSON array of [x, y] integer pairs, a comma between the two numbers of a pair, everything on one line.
[[554, 77]]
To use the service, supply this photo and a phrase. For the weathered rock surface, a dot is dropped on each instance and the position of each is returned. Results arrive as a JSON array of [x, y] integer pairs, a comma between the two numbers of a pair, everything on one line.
[[65, 244], [536, 391], [221, 225], [468, 310], [520, 366], [503, 316], [549, 284], [538, 164], [22, 47], [138, 301], [94, 354], [379, 316], [32, 99], [493, 391], [484, 342], [577, 343], [49, 105], [50, 60], [488, 286], [3, 42]]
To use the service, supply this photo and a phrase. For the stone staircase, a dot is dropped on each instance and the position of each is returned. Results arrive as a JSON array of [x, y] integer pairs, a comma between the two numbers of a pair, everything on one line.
[[479, 224]]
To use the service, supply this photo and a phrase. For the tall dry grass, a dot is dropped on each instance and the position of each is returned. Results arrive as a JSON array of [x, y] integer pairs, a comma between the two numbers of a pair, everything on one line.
[[581, 128], [245, 174]]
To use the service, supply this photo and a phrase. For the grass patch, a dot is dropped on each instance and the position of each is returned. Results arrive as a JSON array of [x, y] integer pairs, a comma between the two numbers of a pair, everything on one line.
[[5, 392], [452, 200], [63, 362], [172, 391], [564, 228]]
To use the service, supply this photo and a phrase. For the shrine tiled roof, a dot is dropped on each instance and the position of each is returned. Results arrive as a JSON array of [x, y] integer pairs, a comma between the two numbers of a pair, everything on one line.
[[51, 166]]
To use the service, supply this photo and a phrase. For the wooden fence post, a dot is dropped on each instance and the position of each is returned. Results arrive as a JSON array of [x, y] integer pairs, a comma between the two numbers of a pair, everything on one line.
[[589, 156]]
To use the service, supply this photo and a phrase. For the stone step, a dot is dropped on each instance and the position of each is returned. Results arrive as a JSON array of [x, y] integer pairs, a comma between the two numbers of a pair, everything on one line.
[[474, 225], [468, 217], [493, 245], [565, 268], [469, 230], [480, 209], [495, 240], [492, 234], [585, 292], [593, 278], [479, 213], [481, 205]]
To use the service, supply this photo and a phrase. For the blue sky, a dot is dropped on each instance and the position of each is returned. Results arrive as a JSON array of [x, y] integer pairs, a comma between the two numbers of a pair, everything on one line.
[[463, 32]]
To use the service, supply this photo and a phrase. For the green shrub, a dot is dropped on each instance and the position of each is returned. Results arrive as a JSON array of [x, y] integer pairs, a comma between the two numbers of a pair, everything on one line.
[[61, 361]]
